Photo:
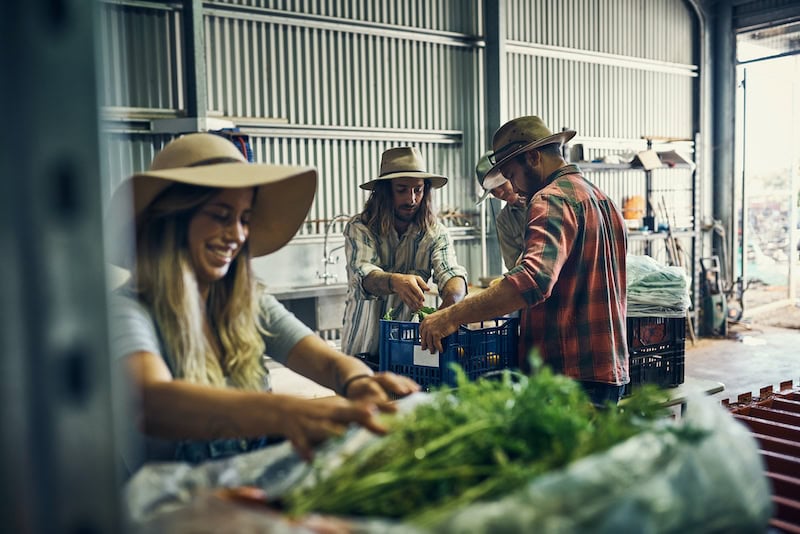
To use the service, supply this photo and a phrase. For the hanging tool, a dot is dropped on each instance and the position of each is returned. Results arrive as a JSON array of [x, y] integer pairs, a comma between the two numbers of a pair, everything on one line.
[[715, 309], [733, 289], [673, 250]]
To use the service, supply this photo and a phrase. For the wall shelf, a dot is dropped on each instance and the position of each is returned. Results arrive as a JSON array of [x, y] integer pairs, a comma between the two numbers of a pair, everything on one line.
[[647, 242], [599, 167], [638, 235]]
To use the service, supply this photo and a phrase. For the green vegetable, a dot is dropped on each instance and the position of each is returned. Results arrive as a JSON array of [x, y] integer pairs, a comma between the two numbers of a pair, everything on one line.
[[423, 311], [478, 442]]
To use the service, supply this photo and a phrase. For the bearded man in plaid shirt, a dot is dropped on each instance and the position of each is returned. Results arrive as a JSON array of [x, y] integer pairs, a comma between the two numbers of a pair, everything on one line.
[[570, 283]]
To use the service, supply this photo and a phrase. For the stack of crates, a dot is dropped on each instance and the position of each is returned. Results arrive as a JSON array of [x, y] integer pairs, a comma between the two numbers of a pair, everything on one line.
[[656, 346], [487, 346]]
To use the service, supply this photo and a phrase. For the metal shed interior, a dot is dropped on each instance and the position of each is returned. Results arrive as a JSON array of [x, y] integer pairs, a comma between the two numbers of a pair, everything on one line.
[[333, 84], [100, 87]]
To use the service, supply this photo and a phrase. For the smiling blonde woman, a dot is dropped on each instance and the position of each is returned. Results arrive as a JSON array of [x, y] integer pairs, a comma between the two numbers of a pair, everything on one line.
[[192, 325]]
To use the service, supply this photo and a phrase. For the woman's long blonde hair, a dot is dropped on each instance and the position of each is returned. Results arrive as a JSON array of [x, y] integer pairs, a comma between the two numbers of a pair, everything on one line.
[[165, 282]]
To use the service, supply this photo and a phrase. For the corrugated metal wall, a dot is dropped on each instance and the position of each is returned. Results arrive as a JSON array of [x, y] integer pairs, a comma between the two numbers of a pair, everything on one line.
[[330, 84], [614, 71], [140, 54], [333, 83], [313, 87]]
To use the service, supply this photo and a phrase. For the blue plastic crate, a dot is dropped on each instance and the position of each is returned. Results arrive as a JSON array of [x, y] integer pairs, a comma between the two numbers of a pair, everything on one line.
[[490, 347]]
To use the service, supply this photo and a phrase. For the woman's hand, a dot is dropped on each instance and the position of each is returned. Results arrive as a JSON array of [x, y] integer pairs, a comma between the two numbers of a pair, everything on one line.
[[308, 422], [376, 389]]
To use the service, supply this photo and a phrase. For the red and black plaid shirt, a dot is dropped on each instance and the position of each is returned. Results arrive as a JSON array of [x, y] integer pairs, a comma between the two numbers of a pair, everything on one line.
[[572, 276]]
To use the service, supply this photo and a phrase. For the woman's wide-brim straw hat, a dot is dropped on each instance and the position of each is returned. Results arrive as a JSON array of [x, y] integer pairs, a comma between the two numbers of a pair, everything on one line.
[[283, 197], [518, 136], [404, 162]]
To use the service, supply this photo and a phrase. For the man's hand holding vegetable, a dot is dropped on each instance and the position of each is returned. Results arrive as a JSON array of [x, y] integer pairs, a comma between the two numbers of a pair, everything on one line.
[[497, 300], [394, 247], [410, 288]]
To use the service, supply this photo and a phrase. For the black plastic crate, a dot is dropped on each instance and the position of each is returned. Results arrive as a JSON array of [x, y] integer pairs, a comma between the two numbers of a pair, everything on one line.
[[656, 335], [656, 348], [665, 369], [492, 346]]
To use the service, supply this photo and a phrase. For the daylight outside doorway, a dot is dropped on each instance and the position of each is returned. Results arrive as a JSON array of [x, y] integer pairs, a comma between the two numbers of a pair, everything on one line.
[[768, 167]]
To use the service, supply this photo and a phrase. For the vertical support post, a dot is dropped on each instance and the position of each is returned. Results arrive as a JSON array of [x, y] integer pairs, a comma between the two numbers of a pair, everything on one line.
[[648, 203], [702, 128], [794, 188], [56, 450], [496, 74], [496, 90], [724, 102], [742, 221], [194, 55], [484, 256]]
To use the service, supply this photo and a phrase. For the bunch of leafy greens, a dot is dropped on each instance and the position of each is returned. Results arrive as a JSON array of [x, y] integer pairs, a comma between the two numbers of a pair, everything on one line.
[[421, 313], [479, 442]]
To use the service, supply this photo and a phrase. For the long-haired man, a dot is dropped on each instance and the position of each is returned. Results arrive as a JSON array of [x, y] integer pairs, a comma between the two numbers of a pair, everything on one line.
[[393, 248]]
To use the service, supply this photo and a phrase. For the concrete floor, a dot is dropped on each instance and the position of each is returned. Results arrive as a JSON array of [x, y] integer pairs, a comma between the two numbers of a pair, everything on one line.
[[753, 356]]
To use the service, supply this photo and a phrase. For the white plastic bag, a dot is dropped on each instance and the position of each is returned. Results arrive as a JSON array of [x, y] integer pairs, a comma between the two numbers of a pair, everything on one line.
[[655, 289], [651, 483]]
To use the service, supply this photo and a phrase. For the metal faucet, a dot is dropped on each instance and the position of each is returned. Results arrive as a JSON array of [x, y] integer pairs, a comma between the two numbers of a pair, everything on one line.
[[327, 255]]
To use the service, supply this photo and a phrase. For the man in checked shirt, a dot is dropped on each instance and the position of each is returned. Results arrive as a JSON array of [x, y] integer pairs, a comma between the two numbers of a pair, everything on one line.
[[570, 284], [393, 248]]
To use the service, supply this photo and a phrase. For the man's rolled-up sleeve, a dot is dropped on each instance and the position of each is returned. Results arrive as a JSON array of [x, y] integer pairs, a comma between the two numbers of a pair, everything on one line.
[[443, 258], [552, 228]]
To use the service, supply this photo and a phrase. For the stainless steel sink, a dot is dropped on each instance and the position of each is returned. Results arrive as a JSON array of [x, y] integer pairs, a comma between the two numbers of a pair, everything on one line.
[[307, 291], [319, 306]]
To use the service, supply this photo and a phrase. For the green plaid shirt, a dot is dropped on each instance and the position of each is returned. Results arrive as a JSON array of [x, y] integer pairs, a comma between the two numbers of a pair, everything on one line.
[[572, 276]]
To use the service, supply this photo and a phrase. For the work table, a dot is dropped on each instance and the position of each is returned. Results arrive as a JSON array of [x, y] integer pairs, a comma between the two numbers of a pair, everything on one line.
[[307, 291], [319, 306]]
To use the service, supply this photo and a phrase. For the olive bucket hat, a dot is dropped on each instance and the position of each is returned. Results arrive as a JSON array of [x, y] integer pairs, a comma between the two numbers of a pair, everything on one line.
[[404, 162], [521, 135], [283, 192]]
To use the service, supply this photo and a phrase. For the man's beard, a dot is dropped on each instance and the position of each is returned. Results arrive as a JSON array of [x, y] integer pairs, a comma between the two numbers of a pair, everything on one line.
[[406, 216], [532, 180]]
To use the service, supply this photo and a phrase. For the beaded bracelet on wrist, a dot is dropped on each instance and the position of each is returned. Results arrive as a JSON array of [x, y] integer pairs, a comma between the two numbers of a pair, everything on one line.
[[343, 389]]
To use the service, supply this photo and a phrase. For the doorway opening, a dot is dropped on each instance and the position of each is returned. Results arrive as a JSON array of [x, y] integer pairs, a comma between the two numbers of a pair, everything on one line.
[[767, 192]]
